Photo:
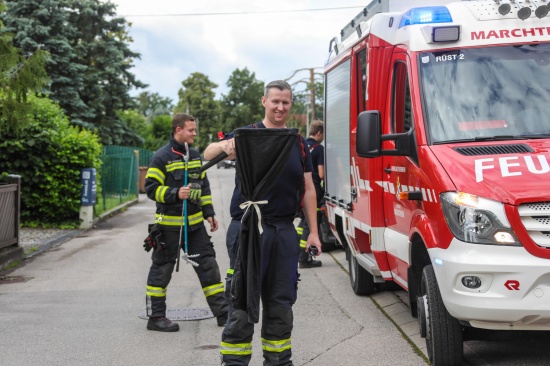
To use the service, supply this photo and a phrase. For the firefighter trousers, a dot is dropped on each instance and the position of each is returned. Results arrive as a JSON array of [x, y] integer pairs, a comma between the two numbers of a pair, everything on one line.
[[164, 261], [279, 278]]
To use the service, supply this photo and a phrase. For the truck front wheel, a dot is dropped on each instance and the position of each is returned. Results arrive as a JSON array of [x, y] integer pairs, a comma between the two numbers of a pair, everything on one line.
[[443, 333], [361, 280]]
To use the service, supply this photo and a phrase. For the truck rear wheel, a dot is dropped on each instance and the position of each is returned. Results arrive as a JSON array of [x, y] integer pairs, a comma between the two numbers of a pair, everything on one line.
[[362, 282], [325, 235], [444, 340]]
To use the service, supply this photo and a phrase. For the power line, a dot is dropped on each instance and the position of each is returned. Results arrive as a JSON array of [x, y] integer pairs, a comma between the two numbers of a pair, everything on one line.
[[243, 12]]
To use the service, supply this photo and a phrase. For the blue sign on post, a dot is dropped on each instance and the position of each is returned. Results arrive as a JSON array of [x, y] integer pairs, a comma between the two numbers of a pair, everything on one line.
[[88, 194]]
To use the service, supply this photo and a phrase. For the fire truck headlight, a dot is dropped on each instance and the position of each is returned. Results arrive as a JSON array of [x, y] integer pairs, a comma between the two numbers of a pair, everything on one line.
[[477, 220]]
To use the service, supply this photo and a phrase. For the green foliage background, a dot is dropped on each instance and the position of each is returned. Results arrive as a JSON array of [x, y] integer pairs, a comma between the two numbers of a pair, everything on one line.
[[48, 155]]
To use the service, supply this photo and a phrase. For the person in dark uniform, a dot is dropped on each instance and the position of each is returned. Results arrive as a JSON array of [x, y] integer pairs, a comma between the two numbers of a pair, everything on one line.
[[317, 151], [279, 242], [164, 184]]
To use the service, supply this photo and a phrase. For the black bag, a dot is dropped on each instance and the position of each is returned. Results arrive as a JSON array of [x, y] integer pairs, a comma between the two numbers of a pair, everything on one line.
[[153, 240]]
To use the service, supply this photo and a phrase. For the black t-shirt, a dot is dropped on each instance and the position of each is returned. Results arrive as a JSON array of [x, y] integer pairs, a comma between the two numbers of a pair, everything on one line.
[[317, 152]]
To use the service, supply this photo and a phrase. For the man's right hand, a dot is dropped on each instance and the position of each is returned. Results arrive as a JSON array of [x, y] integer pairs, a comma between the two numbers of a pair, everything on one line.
[[216, 148], [184, 192], [228, 147]]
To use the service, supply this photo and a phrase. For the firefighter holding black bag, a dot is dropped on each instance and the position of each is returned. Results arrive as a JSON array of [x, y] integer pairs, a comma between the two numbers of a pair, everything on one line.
[[181, 209], [273, 167]]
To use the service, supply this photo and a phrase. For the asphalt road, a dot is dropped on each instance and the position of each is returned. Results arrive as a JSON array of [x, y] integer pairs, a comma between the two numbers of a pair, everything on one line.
[[80, 303]]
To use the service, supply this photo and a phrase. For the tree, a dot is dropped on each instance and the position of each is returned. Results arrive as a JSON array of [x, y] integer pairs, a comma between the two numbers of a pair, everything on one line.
[[158, 132], [19, 75], [90, 59], [242, 105], [152, 104], [197, 98]]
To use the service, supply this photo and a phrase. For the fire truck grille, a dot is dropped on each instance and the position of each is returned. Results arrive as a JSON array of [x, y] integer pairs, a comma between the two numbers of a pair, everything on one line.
[[536, 220], [493, 149]]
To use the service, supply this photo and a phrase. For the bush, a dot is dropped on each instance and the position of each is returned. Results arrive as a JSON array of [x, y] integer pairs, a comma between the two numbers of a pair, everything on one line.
[[48, 155]]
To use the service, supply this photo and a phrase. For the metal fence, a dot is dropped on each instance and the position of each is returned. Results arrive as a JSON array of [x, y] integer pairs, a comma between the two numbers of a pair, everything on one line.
[[119, 175], [144, 157], [9, 211]]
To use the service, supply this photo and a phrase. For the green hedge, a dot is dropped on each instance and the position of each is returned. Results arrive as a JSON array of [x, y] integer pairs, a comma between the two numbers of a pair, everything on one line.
[[48, 155]]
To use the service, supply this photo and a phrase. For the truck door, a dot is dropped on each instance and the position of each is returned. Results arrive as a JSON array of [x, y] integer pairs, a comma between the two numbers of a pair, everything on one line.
[[400, 172]]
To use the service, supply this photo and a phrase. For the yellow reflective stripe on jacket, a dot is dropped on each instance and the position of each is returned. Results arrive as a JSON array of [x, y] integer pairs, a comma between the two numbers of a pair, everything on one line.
[[176, 220], [193, 164], [195, 219], [240, 349], [203, 175], [160, 192], [230, 271], [155, 291], [300, 230], [303, 243], [276, 346], [175, 166], [206, 200], [155, 173], [212, 290]]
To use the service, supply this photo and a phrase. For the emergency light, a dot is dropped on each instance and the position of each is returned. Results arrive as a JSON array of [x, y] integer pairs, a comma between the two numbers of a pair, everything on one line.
[[430, 15], [435, 34], [426, 15]]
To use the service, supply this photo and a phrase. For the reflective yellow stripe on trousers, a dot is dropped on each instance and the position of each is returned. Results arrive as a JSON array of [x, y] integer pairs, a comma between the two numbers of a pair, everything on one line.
[[276, 346], [212, 290], [239, 349], [155, 291]]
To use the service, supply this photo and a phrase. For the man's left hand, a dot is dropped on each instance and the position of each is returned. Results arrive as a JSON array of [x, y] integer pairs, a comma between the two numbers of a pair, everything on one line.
[[313, 240], [195, 192], [213, 223]]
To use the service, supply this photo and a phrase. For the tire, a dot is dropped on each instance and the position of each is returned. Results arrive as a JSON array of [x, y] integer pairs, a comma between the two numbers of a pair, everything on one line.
[[361, 280], [444, 335], [327, 239]]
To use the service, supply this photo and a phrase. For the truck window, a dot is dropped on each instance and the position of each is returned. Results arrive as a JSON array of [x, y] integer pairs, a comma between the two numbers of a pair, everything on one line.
[[489, 92], [401, 103], [337, 131], [362, 80]]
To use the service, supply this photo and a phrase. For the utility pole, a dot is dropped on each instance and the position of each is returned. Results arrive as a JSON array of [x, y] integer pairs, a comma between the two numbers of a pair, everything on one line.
[[312, 92], [311, 106]]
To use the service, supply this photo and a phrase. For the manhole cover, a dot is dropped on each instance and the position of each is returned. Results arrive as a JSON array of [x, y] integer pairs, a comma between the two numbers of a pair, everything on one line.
[[184, 314]]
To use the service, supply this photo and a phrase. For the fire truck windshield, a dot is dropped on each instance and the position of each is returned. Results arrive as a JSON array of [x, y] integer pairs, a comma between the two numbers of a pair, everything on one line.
[[486, 93]]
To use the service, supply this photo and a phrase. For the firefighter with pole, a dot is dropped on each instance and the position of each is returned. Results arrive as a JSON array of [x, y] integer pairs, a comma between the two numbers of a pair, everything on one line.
[[180, 214]]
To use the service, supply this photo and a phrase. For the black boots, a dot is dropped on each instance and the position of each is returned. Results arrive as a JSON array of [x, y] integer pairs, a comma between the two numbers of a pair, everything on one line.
[[162, 324]]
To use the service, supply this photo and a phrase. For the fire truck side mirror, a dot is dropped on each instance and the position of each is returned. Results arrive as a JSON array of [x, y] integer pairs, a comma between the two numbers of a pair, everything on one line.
[[368, 137]]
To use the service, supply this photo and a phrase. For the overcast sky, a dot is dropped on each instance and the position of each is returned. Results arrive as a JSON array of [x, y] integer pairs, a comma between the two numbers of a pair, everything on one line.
[[270, 38]]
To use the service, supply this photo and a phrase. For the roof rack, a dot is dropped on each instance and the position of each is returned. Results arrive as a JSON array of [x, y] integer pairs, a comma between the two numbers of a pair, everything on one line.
[[375, 6]]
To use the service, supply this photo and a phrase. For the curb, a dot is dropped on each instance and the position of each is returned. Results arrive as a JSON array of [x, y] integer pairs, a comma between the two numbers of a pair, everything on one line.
[[114, 211]]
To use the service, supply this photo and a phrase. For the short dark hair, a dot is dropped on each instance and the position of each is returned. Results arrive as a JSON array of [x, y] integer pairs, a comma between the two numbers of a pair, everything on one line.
[[279, 84], [180, 119], [315, 127]]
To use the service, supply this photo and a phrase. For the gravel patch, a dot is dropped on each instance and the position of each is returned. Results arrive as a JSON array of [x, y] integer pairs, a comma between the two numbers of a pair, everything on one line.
[[36, 240]]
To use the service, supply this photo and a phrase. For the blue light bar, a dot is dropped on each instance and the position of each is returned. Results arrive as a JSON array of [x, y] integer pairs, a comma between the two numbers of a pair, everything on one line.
[[426, 15]]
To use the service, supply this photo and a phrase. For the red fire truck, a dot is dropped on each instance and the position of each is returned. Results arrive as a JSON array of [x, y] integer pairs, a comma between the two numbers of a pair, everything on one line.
[[437, 161]]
